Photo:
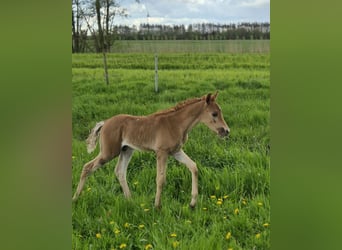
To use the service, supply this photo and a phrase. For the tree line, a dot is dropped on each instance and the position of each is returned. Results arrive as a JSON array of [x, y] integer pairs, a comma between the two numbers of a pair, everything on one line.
[[200, 31]]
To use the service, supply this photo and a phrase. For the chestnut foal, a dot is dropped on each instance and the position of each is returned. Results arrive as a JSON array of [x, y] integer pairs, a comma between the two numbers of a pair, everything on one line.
[[163, 132]]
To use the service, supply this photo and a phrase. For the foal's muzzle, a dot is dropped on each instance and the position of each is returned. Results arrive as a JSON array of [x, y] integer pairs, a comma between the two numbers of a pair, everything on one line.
[[223, 132]]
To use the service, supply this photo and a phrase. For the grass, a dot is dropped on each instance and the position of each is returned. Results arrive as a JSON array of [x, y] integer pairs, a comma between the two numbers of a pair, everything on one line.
[[233, 209], [193, 46]]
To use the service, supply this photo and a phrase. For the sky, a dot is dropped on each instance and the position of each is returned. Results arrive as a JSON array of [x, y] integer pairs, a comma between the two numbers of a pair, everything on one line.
[[173, 12]]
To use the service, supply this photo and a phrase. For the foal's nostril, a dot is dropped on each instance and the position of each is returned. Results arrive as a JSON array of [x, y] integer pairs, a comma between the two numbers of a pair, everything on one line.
[[223, 132]]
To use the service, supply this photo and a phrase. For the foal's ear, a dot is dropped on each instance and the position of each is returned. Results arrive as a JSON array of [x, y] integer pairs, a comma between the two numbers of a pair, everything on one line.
[[211, 98], [214, 96], [208, 98]]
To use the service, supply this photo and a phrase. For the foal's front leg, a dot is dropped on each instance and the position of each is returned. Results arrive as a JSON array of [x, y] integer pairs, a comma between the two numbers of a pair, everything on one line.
[[191, 165], [161, 176]]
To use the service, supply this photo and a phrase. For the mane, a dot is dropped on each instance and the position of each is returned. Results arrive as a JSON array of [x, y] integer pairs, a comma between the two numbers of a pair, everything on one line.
[[179, 106]]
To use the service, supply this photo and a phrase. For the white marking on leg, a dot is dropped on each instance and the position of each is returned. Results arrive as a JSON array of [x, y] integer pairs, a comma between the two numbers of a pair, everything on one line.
[[191, 165], [161, 177], [121, 170], [88, 168]]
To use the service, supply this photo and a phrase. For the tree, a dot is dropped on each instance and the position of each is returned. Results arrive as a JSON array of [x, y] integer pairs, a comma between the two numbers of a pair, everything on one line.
[[78, 34], [99, 16], [102, 43]]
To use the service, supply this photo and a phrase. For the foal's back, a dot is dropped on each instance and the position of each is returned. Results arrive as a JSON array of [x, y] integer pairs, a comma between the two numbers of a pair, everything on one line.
[[137, 132]]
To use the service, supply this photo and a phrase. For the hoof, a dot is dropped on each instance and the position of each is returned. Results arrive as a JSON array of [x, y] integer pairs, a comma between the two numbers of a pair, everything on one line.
[[192, 206], [158, 208], [74, 199]]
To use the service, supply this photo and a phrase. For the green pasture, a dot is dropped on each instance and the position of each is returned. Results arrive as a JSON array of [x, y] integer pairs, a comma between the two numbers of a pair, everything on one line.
[[233, 209], [192, 46]]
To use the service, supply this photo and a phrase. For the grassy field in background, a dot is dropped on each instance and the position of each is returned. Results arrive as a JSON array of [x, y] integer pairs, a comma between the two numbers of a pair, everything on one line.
[[192, 46], [233, 209]]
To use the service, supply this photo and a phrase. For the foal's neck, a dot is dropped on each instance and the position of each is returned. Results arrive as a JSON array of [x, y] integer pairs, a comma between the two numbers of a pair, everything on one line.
[[189, 116]]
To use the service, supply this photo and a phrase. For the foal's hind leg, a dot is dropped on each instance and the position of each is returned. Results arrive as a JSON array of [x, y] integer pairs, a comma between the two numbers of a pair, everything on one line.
[[121, 169], [89, 168]]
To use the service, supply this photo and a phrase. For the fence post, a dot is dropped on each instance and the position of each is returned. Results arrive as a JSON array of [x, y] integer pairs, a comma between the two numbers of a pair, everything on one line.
[[156, 73]]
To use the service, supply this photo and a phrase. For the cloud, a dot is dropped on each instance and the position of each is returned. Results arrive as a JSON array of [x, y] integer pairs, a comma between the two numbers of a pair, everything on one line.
[[195, 11], [254, 3]]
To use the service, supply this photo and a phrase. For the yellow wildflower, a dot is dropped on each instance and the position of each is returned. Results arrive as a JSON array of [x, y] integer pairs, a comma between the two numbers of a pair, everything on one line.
[[141, 226], [88, 189], [123, 245], [230, 248], [212, 196], [228, 235], [126, 225], [173, 235], [226, 197], [236, 211], [260, 204], [116, 231], [148, 246], [98, 235], [175, 244], [205, 209], [146, 209], [257, 235], [111, 222], [244, 202], [266, 224], [219, 202]]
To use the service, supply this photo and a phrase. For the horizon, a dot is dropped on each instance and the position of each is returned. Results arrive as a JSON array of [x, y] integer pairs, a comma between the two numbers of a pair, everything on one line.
[[187, 25]]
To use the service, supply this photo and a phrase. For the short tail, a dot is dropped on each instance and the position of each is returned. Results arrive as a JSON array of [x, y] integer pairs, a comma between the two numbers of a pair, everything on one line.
[[93, 136]]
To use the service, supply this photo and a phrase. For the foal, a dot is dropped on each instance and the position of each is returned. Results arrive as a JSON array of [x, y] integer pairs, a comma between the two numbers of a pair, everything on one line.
[[163, 132]]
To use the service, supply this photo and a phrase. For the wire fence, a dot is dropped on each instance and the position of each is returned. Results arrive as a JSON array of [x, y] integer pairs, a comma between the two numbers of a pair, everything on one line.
[[186, 46]]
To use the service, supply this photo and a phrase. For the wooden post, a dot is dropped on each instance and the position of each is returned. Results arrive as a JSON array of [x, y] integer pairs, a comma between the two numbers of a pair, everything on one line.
[[105, 66], [156, 73]]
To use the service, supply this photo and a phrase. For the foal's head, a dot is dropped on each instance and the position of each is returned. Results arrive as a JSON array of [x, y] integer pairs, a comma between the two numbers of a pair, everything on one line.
[[212, 116]]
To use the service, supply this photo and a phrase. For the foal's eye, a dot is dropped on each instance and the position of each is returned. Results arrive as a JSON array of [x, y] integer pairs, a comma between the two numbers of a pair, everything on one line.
[[215, 114]]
